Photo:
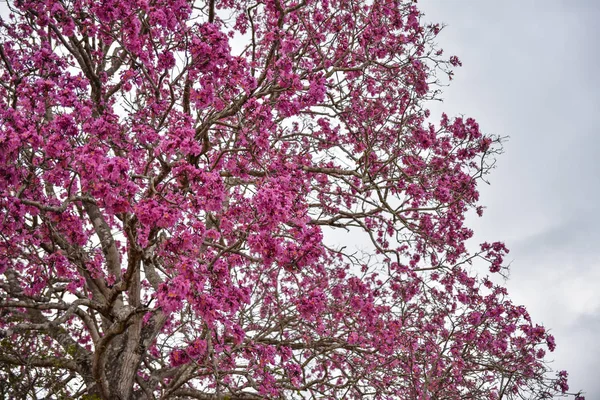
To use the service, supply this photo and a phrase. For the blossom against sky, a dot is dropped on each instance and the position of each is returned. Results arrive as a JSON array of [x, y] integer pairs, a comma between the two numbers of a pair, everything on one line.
[[529, 72]]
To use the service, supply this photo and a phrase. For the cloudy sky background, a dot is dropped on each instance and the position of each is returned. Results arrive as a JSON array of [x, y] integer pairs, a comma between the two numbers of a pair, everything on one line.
[[530, 72]]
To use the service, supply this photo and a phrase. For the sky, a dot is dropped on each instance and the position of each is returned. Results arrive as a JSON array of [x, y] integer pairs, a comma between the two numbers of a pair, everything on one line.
[[530, 72]]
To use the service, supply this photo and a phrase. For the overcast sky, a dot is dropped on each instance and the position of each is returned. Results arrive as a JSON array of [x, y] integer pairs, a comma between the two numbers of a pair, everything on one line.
[[530, 72]]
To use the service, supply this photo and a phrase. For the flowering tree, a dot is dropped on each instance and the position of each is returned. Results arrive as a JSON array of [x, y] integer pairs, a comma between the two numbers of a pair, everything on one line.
[[164, 200]]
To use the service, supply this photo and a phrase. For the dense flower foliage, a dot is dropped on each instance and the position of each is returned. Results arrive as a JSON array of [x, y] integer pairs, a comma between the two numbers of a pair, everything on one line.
[[169, 171]]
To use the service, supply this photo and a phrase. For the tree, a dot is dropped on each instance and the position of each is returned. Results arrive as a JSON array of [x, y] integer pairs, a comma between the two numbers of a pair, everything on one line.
[[165, 199]]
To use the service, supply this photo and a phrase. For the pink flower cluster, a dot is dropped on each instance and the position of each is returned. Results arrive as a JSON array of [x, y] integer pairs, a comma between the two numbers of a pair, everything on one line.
[[165, 203]]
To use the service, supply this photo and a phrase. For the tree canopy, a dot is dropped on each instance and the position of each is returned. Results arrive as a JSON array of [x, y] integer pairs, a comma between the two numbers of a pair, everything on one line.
[[171, 171]]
